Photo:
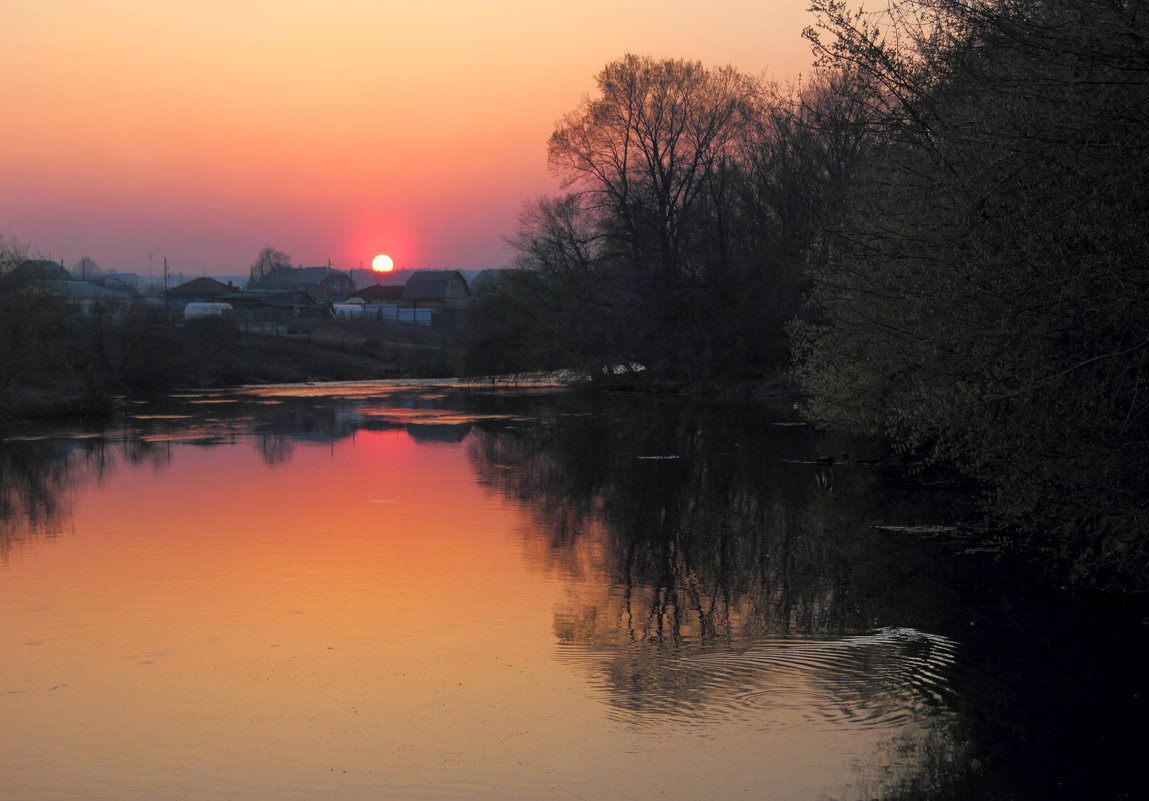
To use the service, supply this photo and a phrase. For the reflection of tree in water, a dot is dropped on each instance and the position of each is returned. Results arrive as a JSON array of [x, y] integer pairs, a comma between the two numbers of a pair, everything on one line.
[[708, 574], [707, 529], [38, 478], [275, 448], [34, 483]]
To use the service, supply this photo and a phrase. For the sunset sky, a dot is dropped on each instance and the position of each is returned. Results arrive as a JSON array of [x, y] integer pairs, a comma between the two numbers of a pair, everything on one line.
[[203, 131]]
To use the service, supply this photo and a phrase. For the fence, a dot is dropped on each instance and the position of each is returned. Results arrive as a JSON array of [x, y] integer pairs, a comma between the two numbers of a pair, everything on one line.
[[385, 312]]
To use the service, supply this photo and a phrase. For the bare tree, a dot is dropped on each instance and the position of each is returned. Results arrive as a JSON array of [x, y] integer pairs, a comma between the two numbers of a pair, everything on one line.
[[652, 160], [643, 149], [690, 194], [12, 255], [269, 259], [86, 268]]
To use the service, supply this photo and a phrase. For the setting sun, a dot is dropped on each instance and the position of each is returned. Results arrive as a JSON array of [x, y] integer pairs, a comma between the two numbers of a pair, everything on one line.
[[382, 263]]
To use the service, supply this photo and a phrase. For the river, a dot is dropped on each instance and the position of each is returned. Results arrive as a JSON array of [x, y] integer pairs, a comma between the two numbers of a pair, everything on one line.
[[438, 591]]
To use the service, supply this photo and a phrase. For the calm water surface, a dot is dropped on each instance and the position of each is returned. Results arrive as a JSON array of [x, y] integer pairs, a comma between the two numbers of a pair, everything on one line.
[[383, 591]]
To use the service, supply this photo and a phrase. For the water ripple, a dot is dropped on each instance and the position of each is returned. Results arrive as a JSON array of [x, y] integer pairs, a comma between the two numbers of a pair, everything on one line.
[[884, 679]]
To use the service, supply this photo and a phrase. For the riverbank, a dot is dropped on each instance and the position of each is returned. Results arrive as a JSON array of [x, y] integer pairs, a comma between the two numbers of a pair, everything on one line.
[[245, 359]]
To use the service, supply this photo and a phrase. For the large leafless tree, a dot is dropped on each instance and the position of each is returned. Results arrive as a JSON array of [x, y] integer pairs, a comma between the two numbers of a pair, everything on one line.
[[656, 254]]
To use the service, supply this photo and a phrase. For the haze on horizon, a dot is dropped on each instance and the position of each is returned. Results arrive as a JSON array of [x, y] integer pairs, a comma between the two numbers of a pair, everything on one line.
[[336, 131]]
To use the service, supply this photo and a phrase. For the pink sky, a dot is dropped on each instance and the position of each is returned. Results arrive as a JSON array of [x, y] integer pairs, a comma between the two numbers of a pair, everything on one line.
[[204, 131]]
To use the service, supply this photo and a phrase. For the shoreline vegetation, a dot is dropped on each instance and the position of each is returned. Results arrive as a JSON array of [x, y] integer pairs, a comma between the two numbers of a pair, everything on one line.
[[253, 359], [231, 359]]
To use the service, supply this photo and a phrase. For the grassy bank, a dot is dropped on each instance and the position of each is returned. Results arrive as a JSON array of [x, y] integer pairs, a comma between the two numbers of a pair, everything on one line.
[[83, 369]]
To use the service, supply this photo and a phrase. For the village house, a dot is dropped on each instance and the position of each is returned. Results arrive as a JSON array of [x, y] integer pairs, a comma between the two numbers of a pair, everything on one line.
[[379, 293], [273, 306], [323, 283], [435, 289], [128, 283], [199, 290], [429, 297], [31, 270], [90, 300], [43, 277]]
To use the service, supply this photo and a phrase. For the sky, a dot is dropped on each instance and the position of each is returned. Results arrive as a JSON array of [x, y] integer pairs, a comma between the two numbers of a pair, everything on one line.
[[201, 132]]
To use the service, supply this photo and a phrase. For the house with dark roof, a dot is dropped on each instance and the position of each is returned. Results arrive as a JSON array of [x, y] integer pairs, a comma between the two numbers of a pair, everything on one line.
[[199, 290], [435, 289], [31, 270], [380, 293], [128, 283], [322, 283], [90, 300]]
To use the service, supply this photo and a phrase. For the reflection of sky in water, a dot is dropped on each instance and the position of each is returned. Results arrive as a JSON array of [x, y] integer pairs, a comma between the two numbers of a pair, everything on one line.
[[292, 602], [223, 628], [436, 416]]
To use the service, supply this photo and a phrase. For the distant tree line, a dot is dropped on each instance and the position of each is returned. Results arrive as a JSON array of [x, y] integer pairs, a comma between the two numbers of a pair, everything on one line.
[[941, 236]]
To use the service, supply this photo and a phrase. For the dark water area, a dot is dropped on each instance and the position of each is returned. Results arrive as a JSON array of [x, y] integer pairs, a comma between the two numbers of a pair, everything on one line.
[[433, 590]]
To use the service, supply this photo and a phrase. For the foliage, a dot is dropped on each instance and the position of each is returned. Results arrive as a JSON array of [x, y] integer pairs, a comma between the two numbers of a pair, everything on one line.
[[981, 296], [31, 345], [504, 323]]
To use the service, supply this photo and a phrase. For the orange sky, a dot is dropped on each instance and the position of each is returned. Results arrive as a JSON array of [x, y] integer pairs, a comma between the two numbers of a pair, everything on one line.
[[204, 131]]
